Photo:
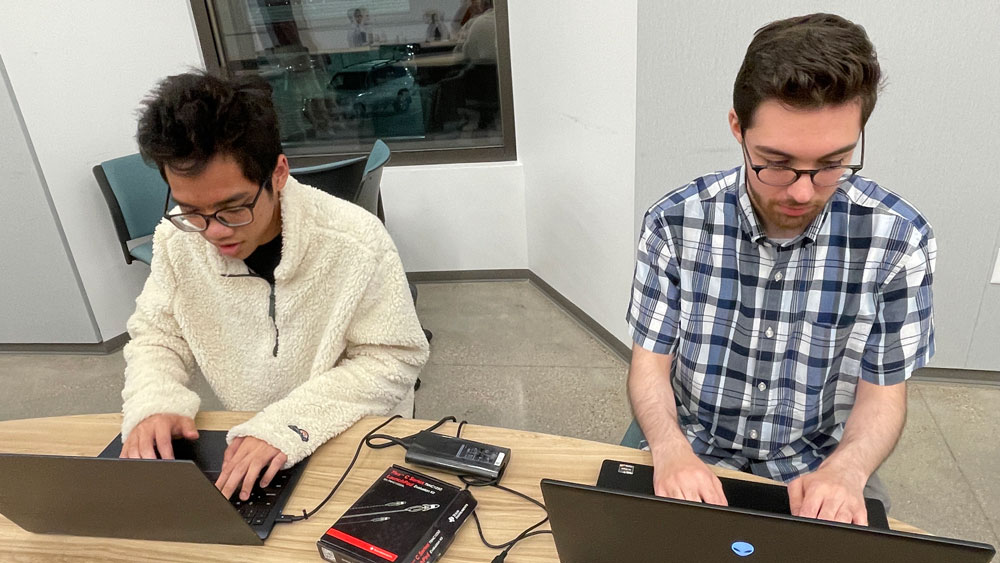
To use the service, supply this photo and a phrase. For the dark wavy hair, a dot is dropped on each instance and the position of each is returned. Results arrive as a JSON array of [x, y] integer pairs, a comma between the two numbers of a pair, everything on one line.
[[808, 62], [190, 118]]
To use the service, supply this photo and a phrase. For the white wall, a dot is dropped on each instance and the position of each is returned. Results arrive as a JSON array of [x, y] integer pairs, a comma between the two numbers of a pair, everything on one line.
[[79, 70], [573, 65], [457, 216], [932, 139]]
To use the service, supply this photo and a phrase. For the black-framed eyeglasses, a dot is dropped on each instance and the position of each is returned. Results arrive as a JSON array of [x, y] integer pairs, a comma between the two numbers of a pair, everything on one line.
[[231, 216], [826, 177]]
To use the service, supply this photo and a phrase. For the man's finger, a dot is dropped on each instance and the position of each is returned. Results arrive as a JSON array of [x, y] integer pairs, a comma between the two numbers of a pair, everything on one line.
[[720, 494], [795, 497], [272, 469], [231, 450], [706, 488], [831, 507], [861, 516], [708, 494], [146, 450], [126, 447], [673, 492], [188, 429], [812, 503], [233, 482], [250, 478], [691, 493], [163, 441], [227, 468], [844, 515], [660, 490]]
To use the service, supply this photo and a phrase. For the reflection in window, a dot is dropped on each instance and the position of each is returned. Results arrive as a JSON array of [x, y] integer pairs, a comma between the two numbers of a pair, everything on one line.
[[421, 74]]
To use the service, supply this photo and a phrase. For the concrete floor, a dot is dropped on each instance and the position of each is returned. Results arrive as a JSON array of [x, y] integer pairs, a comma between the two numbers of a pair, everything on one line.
[[503, 354]]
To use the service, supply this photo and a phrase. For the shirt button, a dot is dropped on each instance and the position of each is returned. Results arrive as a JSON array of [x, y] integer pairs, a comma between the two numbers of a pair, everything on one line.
[[778, 276], [769, 332], [762, 386], [753, 434]]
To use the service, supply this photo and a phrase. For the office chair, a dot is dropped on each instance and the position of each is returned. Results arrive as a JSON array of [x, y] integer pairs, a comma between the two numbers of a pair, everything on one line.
[[340, 179], [370, 191], [135, 193]]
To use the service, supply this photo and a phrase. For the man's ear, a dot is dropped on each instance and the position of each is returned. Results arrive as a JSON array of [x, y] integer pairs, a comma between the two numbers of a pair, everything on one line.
[[734, 126], [280, 174]]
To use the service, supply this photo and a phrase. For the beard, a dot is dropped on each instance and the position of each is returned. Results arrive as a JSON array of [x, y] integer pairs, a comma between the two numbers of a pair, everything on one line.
[[771, 215]]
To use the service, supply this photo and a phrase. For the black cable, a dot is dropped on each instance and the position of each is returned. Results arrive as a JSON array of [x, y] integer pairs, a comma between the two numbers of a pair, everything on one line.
[[305, 515], [472, 481], [367, 440], [405, 441]]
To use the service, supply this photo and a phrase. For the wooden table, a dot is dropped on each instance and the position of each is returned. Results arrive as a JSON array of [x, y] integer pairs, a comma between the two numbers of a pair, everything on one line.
[[503, 515]]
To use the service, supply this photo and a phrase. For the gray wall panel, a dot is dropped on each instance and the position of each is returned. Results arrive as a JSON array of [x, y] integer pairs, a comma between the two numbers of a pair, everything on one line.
[[40, 296]]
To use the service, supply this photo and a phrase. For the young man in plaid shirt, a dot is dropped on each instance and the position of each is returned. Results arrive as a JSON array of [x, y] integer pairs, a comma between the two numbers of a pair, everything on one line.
[[779, 307]]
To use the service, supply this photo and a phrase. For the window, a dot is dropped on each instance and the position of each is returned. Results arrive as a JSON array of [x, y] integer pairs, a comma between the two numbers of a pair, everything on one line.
[[429, 77]]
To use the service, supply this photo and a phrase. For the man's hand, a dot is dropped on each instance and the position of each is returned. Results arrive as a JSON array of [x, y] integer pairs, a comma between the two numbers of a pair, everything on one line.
[[830, 493], [684, 476], [158, 430], [245, 458]]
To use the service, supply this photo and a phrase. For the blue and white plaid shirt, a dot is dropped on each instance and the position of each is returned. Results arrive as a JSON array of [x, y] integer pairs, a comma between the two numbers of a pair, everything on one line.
[[769, 339]]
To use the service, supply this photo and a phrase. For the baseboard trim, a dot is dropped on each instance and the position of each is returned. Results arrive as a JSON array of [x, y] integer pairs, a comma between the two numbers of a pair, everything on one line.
[[449, 276], [953, 375], [98, 348], [593, 327]]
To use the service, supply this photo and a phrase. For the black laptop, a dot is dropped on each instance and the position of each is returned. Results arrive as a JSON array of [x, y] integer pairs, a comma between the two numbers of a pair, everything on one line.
[[628, 523], [167, 500]]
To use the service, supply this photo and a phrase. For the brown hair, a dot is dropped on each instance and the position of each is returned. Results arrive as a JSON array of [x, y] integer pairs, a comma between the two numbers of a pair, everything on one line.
[[808, 62]]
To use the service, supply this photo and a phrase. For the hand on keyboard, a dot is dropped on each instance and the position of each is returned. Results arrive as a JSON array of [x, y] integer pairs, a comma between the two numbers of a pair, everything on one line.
[[244, 460], [154, 434]]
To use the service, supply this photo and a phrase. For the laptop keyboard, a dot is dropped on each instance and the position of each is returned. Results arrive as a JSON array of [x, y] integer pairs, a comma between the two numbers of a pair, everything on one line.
[[256, 509]]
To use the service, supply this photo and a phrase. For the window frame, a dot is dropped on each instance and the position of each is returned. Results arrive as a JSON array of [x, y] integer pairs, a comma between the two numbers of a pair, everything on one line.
[[213, 52]]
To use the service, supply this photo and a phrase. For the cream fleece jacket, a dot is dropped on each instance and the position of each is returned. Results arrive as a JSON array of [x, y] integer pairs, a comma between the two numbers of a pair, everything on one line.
[[344, 340]]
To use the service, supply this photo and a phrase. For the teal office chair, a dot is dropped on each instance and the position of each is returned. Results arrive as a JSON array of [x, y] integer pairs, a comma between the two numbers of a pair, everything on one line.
[[135, 193], [634, 438], [339, 179], [370, 191]]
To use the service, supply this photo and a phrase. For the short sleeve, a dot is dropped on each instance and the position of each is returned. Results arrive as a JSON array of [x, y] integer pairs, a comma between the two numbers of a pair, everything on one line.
[[902, 336], [654, 309]]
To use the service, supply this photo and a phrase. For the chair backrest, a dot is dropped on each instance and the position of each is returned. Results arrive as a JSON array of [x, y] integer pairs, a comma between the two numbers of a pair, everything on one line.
[[341, 179], [357, 180], [135, 193], [370, 192]]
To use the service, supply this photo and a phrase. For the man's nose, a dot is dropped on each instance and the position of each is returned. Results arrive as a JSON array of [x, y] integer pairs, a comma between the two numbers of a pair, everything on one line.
[[216, 230], [802, 190]]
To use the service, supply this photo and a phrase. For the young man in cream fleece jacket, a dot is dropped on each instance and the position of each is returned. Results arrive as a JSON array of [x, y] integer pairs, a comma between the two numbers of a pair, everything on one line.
[[292, 303]]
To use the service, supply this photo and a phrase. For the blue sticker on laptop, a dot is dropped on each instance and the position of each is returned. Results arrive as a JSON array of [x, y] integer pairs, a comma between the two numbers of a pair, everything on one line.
[[742, 548]]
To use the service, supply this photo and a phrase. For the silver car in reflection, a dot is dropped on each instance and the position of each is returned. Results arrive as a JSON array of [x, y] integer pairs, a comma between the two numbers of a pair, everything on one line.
[[374, 87]]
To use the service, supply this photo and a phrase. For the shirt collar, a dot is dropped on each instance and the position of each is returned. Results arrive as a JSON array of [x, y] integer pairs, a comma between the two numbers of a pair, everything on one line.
[[751, 226]]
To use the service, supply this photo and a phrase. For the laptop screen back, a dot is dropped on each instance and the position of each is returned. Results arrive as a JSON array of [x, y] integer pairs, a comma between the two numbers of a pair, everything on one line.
[[119, 498], [592, 525]]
